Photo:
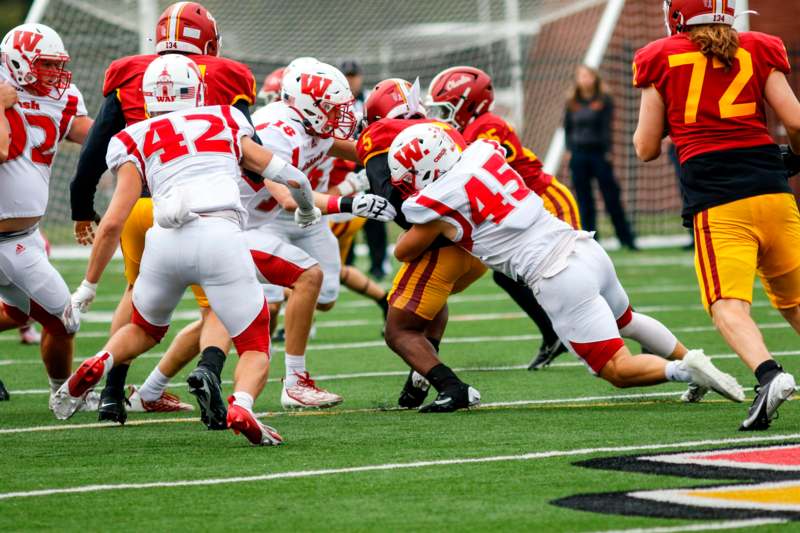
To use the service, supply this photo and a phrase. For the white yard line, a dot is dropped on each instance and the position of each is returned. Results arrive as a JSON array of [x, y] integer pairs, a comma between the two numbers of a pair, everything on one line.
[[299, 474], [704, 526]]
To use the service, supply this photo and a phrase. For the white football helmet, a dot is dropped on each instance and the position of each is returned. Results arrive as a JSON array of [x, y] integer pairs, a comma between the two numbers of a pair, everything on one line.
[[172, 82], [25, 48], [419, 155], [319, 93]]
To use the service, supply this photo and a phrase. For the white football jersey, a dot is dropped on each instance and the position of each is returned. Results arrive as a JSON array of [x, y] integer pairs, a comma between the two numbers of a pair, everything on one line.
[[38, 124], [497, 218], [280, 129], [193, 153]]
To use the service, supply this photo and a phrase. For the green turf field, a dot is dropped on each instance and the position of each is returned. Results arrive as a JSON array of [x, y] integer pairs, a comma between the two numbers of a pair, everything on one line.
[[366, 466]]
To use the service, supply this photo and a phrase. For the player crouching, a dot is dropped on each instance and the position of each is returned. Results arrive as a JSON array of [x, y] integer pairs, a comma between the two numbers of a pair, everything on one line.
[[478, 201], [198, 238]]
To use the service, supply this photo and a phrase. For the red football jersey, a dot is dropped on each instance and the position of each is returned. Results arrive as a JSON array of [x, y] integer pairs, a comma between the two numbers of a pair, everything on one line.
[[378, 136], [524, 161], [710, 109], [227, 82]]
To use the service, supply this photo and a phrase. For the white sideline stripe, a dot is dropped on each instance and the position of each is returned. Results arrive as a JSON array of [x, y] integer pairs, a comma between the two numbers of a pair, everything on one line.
[[389, 467], [487, 405], [705, 526], [393, 373]]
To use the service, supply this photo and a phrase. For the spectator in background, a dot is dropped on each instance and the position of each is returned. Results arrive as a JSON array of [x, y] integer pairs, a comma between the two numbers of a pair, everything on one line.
[[374, 231], [587, 124]]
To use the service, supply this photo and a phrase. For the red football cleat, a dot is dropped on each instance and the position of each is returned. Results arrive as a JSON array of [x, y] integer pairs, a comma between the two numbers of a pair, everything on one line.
[[240, 420], [71, 394]]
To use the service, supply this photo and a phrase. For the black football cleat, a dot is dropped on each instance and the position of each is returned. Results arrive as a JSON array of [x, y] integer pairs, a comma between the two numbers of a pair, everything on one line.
[[204, 385], [112, 406], [547, 353], [4, 395], [414, 391], [768, 398], [461, 397]]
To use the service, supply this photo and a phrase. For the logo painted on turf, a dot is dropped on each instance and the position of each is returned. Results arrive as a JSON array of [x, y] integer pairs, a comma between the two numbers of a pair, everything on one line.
[[768, 486]]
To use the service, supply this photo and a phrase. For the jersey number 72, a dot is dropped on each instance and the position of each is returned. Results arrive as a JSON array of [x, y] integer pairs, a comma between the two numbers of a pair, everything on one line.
[[485, 203]]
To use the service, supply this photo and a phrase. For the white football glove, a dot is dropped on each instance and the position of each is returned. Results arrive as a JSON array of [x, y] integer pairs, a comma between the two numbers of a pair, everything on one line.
[[355, 182], [305, 219], [374, 207], [84, 295]]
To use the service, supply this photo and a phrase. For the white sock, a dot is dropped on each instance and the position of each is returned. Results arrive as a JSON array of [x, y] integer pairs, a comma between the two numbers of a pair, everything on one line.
[[154, 386], [295, 364], [55, 384], [651, 334], [677, 371], [243, 399]]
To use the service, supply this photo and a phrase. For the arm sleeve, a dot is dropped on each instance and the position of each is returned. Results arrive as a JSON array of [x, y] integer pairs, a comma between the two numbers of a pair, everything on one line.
[[380, 184], [244, 108], [92, 162]]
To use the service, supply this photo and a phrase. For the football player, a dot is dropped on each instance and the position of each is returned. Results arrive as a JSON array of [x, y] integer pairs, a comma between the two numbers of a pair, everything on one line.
[[193, 180], [706, 85], [463, 97], [312, 120], [183, 28], [342, 180], [42, 108], [476, 199], [417, 314]]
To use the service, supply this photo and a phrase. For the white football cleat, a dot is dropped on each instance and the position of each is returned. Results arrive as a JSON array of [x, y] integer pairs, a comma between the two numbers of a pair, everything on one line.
[[29, 335], [306, 395], [705, 374], [694, 393], [167, 403], [768, 398]]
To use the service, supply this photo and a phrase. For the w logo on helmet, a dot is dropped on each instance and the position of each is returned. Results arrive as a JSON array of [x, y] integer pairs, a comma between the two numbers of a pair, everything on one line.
[[313, 85], [409, 154], [26, 40]]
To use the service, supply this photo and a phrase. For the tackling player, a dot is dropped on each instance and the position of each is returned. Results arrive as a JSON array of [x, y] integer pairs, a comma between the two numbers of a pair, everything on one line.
[[183, 28], [463, 97], [706, 85], [193, 177], [477, 200], [42, 108], [417, 314]]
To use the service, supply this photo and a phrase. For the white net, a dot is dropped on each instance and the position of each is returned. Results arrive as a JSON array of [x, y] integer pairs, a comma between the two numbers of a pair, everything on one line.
[[530, 47]]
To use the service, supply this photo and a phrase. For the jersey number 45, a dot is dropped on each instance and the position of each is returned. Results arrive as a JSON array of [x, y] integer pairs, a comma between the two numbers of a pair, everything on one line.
[[484, 202]]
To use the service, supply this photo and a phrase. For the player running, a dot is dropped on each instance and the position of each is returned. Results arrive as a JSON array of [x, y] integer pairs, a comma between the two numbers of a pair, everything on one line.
[[312, 120], [477, 200], [183, 28], [339, 177], [463, 97], [706, 85], [189, 155], [42, 108], [418, 299]]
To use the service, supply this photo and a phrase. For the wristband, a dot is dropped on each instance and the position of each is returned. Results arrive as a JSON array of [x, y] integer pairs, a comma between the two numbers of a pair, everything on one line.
[[275, 166], [339, 204]]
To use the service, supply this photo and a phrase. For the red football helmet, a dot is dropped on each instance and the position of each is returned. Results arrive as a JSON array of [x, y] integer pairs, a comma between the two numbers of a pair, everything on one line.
[[458, 95], [187, 27], [680, 14], [271, 89], [394, 98]]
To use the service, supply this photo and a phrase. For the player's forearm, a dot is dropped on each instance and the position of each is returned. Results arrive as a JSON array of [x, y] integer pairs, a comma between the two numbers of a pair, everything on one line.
[[105, 244], [5, 138], [344, 150]]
